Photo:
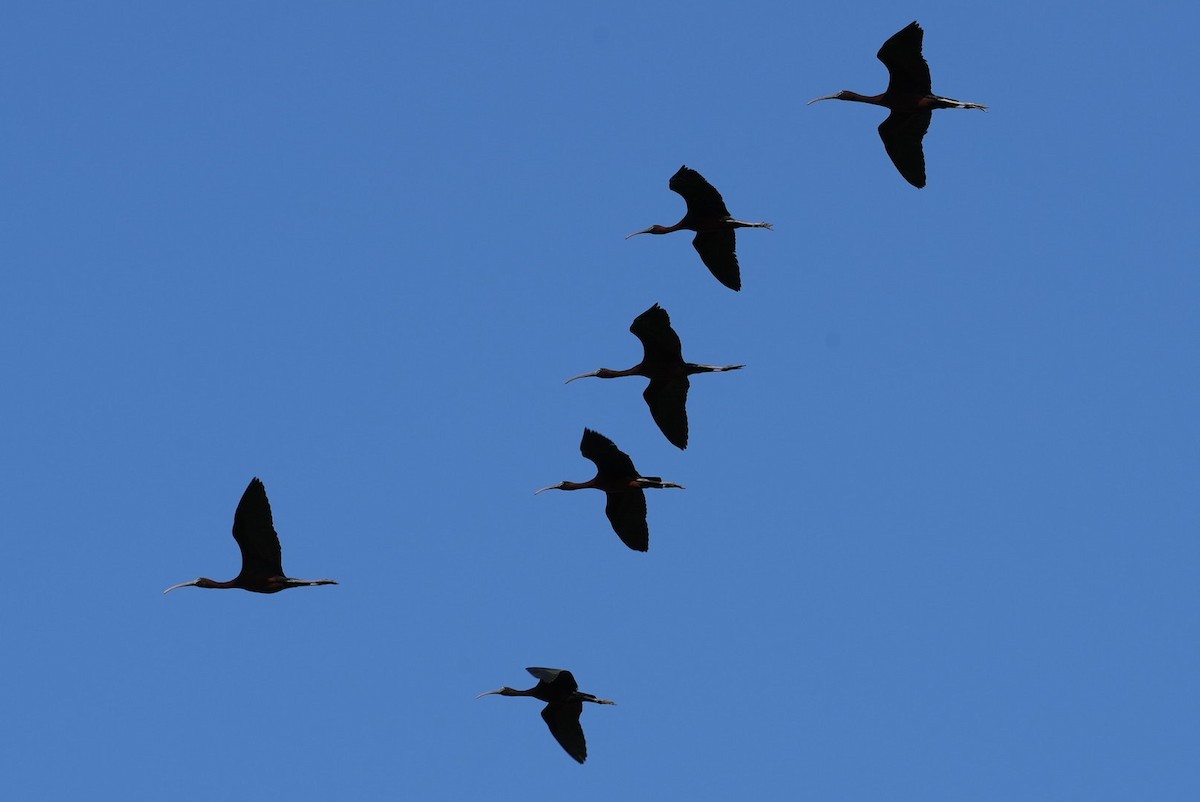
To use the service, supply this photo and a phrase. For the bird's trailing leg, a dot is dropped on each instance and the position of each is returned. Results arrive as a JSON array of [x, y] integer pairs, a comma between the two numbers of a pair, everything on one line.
[[303, 583], [744, 224], [655, 481], [693, 368], [951, 103]]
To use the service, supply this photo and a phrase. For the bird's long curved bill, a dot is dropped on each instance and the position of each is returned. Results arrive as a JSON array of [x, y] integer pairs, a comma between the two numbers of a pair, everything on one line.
[[585, 375], [180, 585], [643, 231], [488, 693], [815, 99], [544, 489]]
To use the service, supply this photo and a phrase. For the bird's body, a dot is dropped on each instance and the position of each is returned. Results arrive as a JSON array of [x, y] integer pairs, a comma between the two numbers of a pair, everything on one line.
[[564, 705], [662, 363], [910, 98], [262, 558], [714, 226], [622, 485]]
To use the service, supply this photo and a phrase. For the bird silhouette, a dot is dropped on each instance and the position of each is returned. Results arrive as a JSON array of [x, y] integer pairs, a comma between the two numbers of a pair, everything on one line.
[[910, 97], [564, 705], [714, 226], [262, 559], [622, 486], [662, 363]]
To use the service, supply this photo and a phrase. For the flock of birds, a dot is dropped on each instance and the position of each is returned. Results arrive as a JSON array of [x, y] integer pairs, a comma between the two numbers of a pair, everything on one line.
[[910, 98]]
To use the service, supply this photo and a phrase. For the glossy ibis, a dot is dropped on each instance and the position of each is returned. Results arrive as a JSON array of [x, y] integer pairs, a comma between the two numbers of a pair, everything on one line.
[[262, 561], [714, 226], [662, 363], [622, 485], [910, 97], [564, 705]]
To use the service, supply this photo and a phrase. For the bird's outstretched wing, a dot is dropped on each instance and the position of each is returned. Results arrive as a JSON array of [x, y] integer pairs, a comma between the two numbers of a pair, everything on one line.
[[667, 399], [559, 679], [660, 343], [563, 720], [254, 531], [718, 251], [907, 69], [626, 512], [608, 458], [902, 133], [703, 200]]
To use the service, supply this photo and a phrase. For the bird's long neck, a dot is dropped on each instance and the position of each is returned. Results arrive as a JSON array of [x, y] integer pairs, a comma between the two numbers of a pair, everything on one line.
[[608, 373], [846, 94], [656, 229], [506, 691], [205, 582], [593, 482]]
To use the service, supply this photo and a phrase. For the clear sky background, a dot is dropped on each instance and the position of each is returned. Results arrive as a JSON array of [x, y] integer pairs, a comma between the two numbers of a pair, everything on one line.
[[939, 539]]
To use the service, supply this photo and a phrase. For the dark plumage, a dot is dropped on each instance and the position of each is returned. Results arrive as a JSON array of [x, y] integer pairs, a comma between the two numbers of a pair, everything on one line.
[[564, 705], [714, 226], [262, 558], [622, 486], [662, 363], [910, 97]]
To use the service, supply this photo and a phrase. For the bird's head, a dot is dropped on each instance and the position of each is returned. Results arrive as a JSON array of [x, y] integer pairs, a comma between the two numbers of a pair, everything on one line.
[[505, 691], [843, 95], [558, 486], [603, 373], [202, 582], [652, 230]]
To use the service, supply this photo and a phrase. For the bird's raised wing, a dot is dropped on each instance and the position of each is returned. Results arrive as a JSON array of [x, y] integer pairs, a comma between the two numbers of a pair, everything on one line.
[[626, 512], [609, 459], [908, 71], [660, 343], [254, 531], [563, 720], [559, 679], [703, 200], [902, 133], [667, 399], [718, 251]]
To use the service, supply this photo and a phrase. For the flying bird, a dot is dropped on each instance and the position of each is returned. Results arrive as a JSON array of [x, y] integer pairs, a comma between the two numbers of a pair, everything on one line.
[[622, 485], [910, 97], [662, 363], [564, 705], [714, 226], [262, 560]]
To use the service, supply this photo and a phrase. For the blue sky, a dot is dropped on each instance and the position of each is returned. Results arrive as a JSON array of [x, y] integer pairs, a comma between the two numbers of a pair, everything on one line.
[[939, 538]]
